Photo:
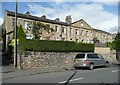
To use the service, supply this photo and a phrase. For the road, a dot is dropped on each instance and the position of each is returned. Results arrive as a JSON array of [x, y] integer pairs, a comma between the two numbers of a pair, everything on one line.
[[98, 75]]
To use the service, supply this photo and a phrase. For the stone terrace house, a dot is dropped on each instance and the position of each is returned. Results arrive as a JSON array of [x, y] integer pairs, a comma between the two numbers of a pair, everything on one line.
[[78, 31]]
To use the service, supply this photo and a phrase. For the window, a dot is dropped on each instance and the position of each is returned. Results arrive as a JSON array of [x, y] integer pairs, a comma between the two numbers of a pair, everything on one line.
[[29, 36], [77, 32], [91, 33], [92, 56], [71, 32], [63, 39], [63, 30], [100, 56], [25, 24], [56, 28], [86, 33], [80, 56], [82, 32], [13, 22], [77, 40], [29, 25]]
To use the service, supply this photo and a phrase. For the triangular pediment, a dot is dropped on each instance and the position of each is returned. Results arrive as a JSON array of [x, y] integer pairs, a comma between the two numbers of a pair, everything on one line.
[[81, 23]]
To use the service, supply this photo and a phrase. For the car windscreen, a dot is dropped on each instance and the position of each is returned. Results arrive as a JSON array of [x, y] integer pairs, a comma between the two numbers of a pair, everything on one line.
[[80, 56]]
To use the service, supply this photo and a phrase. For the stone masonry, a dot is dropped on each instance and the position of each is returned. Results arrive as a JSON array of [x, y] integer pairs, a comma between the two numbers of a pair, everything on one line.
[[58, 59], [47, 59]]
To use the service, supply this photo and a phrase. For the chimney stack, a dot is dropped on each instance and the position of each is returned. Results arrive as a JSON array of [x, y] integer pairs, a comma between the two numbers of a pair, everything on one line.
[[57, 19], [68, 19], [27, 13], [44, 16]]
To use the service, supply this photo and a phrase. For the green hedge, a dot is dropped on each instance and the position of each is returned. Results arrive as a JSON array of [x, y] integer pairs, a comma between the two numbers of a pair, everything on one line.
[[117, 44], [54, 46], [51, 46]]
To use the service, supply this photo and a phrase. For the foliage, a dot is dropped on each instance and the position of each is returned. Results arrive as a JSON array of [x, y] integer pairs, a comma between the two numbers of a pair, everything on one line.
[[54, 46], [117, 42], [38, 29], [20, 32], [111, 45], [117, 36], [20, 35], [95, 40]]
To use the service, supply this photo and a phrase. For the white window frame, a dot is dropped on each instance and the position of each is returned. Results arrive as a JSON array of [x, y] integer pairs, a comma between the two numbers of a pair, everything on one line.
[[29, 36]]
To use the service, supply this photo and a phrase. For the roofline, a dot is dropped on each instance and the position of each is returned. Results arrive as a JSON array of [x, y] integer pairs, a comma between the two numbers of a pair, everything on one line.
[[81, 20], [101, 31], [10, 13]]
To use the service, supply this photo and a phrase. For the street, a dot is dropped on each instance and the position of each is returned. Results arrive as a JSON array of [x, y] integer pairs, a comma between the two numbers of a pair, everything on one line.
[[98, 75]]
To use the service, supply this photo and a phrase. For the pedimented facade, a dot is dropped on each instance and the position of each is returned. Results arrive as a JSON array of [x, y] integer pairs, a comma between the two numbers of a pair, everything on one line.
[[78, 31]]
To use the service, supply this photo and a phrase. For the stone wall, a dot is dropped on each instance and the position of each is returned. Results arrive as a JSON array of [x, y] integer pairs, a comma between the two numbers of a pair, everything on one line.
[[57, 59], [47, 59], [106, 53]]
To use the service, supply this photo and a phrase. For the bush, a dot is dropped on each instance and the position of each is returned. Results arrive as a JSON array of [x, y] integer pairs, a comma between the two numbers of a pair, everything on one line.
[[54, 46], [117, 42], [20, 32], [111, 45], [117, 45]]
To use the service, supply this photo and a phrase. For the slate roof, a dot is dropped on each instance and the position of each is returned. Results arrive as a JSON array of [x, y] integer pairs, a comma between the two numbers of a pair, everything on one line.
[[101, 31], [10, 13]]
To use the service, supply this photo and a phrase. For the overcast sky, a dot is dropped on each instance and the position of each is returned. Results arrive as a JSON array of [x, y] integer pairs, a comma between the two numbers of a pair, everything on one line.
[[99, 15]]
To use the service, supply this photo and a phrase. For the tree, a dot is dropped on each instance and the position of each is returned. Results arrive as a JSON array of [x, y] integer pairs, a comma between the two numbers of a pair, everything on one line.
[[117, 46], [95, 40], [117, 36], [39, 28]]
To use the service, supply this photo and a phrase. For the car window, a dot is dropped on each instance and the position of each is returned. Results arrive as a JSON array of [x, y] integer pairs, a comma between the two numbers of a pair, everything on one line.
[[100, 56], [80, 56], [92, 56]]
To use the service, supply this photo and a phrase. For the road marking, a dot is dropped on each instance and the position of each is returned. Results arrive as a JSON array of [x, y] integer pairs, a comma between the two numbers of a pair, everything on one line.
[[71, 80], [100, 69], [115, 71]]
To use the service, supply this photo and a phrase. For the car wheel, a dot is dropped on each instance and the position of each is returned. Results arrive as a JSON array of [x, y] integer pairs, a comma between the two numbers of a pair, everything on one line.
[[106, 64], [91, 66]]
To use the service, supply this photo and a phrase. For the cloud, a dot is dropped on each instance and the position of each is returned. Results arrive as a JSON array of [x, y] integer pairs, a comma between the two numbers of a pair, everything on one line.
[[93, 13], [1, 21]]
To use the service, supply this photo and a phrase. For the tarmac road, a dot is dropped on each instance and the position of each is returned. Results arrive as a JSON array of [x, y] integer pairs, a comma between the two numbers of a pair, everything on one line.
[[98, 75]]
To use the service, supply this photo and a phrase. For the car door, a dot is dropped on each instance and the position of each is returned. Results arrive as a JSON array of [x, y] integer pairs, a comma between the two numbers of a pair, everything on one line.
[[96, 58], [93, 58], [101, 60]]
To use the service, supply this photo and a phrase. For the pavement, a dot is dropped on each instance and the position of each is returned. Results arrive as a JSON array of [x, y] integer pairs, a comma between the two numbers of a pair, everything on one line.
[[10, 72]]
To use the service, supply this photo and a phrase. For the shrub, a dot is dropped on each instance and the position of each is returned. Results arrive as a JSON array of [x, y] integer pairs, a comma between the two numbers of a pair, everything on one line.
[[117, 42], [54, 46], [117, 45], [111, 45]]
